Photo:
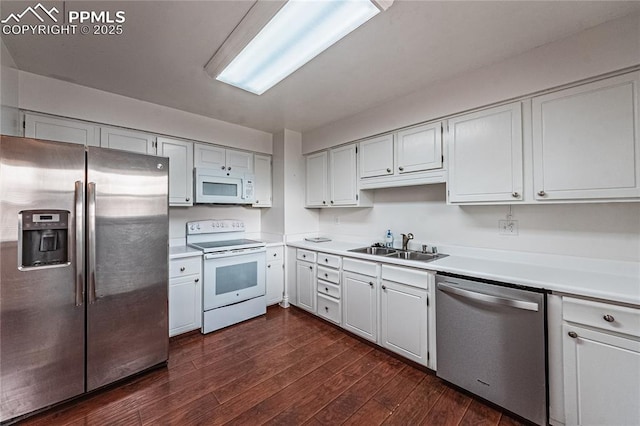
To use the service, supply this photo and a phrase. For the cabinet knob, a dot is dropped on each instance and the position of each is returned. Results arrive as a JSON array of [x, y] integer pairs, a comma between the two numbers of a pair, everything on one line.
[[257, 201], [384, 287], [310, 267], [275, 254], [197, 280], [187, 199], [401, 168], [326, 260], [326, 275], [331, 201], [304, 256], [182, 269], [572, 334], [268, 266], [608, 318], [326, 289], [222, 167], [388, 170], [370, 284], [515, 195], [326, 308], [228, 168], [541, 193], [324, 202]]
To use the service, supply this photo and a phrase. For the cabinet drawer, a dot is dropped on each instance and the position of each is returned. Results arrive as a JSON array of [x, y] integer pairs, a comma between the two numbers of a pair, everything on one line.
[[328, 274], [360, 267], [275, 253], [329, 308], [329, 289], [186, 266], [619, 319], [306, 255], [329, 260], [409, 276]]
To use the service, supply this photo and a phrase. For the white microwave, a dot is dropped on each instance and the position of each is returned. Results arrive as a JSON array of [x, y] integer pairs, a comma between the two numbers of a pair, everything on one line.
[[220, 187]]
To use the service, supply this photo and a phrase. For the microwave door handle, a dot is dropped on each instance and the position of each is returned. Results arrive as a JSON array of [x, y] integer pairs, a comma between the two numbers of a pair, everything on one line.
[[91, 225], [79, 241], [486, 298]]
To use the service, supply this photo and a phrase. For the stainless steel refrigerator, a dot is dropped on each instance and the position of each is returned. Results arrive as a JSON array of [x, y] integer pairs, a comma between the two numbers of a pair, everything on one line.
[[83, 270]]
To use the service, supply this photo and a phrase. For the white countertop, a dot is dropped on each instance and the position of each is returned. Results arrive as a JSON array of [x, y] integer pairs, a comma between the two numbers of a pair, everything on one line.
[[177, 252], [608, 280]]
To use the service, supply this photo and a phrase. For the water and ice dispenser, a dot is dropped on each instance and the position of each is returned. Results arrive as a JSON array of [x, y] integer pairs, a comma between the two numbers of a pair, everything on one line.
[[44, 238]]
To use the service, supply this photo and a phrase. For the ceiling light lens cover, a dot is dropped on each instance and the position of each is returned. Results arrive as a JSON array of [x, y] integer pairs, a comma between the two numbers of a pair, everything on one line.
[[300, 31]]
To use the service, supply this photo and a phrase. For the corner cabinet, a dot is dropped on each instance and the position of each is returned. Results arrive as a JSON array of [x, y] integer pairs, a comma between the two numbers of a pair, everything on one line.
[[485, 156], [262, 165], [586, 142], [180, 155], [332, 179], [275, 275], [409, 157], [60, 130], [185, 295], [127, 140]]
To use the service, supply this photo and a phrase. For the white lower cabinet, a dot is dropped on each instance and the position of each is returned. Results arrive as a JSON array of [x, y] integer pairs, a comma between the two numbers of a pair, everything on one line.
[[601, 351], [185, 295], [306, 285], [403, 325], [275, 275], [360, 310]]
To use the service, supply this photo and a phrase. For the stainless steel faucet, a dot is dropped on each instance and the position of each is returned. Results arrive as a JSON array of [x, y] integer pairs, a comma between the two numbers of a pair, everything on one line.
[[405, 240]]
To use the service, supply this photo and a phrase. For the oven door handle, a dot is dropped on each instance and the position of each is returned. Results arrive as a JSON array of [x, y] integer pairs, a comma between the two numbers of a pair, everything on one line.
[[208, 256], [494, 300]]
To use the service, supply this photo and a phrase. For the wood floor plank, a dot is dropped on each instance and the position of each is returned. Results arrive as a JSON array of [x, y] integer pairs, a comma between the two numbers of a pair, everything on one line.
[[479, 414], [449, 409], [397, 390], [507, 420], [371, 413], [418, 403]]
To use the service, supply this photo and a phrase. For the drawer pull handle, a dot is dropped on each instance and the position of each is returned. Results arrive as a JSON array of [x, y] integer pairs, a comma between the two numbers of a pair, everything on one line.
[[608, 318], [182, 269], [197, 280], [573, 334], [326, 260], [326, 275], [326, 289], [384, 287]]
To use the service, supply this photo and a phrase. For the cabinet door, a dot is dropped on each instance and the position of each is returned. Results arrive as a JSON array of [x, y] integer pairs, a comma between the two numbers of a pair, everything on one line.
[[601, 378], [419, 148], [263, 180], [403, 328], [359, 305], [208, 156], [586, 142], [305, 286], [275, 282], [239, 161], [127, 140], [185, 304], [485, 155], [180, 155], [343, 176], [316, 184], [60, 130], [376, 157]]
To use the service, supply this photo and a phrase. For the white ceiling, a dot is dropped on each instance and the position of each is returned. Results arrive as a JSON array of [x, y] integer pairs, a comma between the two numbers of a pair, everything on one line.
[[160, 57]]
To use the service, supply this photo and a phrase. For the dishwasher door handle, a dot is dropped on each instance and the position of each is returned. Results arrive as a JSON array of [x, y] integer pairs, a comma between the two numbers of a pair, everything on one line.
[[495, 300]]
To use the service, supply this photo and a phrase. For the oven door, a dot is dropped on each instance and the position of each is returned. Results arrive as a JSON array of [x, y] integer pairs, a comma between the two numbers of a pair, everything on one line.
[[233, 277]]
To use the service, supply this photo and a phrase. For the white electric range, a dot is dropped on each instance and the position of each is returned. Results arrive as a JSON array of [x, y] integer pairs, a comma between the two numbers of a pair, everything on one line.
[[234, 272]]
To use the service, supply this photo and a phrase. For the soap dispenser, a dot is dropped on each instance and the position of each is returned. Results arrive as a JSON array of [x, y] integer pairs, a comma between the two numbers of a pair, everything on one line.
[[389, 239]]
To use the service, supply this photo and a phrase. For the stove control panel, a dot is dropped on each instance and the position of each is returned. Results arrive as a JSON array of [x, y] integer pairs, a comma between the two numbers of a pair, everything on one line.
[[214, 226]]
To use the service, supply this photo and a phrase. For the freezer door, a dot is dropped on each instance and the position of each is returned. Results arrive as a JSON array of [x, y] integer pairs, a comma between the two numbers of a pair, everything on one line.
[[127, 265], [41, 307]]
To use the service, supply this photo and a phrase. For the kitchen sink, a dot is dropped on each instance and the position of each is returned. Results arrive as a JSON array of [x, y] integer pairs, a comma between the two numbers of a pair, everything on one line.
[[380, 251], [399, 254]]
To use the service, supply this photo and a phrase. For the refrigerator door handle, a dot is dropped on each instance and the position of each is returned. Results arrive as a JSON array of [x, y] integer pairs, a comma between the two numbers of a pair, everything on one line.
[[79, 261], [91, 230]]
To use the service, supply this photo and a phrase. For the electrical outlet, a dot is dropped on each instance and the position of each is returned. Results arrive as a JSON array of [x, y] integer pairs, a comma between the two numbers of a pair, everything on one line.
[[508, 227]]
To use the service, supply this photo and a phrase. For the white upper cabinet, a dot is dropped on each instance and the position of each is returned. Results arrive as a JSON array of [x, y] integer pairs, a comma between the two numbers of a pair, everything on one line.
[[419, 148], [376, 157], [586, 143], [262, 164], [408, 157], [343, 176], [485, 155], [127, 140], [316, 183], [61, 130], [215, 157], [180, 155]]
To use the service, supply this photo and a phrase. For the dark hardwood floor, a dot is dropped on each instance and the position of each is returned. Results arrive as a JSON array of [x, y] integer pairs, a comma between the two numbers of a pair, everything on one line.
[[285, 368]]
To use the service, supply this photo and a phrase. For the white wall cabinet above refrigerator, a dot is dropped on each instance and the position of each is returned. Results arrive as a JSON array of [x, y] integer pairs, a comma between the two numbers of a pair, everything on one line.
[[127, 140], [485, 155], [412, 156], [60, 130], [215, 157], [180, 155], [332, 179], [586, 143]]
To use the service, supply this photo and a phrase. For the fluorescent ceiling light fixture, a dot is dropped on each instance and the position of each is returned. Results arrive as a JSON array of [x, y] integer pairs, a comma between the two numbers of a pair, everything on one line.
[[298, 32]]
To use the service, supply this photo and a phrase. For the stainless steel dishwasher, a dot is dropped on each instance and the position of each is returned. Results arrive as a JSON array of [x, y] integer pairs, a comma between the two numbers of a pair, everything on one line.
[[491, 341]]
